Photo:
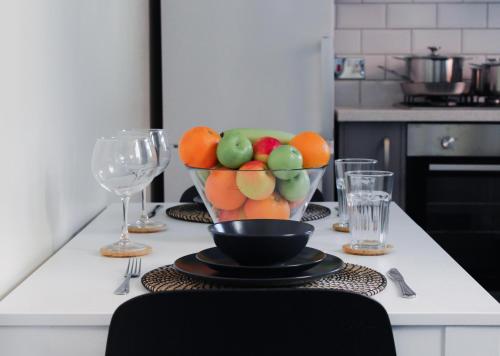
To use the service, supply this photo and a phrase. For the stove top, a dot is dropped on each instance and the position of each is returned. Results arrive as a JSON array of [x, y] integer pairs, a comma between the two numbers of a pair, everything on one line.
[[451, 101]]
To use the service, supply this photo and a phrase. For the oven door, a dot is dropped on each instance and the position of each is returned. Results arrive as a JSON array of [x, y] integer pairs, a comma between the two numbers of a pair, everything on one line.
[[457, 201]]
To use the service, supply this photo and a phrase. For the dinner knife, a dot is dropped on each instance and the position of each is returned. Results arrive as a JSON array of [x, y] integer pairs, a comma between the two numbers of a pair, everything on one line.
[[397, 277]]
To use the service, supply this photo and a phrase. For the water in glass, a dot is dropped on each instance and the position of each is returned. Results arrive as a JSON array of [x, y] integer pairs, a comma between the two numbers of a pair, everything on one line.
[[368, 196], [342, 166]]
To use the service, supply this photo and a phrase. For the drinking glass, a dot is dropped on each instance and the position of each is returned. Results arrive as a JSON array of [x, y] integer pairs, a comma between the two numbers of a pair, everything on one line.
[[124, 165], [368, 194], [161, 146], [342, 166]]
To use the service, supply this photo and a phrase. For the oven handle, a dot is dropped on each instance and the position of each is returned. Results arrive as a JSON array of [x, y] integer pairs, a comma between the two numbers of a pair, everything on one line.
[[464, 167]]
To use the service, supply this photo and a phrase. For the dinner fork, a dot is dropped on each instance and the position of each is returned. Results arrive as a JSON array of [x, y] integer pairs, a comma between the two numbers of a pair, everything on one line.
[[133, 271]]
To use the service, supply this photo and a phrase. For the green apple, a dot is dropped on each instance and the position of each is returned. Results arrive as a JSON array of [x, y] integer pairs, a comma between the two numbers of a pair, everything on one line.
[[296, 188], [284, 158], [234, 150]]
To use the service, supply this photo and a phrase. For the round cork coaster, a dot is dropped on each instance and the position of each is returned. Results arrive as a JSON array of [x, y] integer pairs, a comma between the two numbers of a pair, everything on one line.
[[147, 229], [367, 252], [340, 228], [134, 253]]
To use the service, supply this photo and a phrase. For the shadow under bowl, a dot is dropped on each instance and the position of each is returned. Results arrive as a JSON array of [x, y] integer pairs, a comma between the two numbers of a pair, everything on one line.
[[261, 242]]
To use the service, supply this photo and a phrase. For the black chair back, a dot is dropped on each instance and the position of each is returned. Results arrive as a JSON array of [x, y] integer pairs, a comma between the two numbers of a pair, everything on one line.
[[251, 322]]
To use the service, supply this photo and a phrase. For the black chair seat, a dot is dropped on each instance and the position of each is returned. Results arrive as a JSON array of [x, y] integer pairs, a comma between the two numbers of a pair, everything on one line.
[[251, 322]]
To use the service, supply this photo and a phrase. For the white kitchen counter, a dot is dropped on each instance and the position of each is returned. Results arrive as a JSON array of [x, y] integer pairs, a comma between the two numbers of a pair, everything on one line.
[[66, 305], [404, 114]]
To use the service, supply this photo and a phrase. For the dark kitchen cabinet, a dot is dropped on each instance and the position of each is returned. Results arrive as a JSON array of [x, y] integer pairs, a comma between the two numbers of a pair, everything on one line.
[[383, 141]]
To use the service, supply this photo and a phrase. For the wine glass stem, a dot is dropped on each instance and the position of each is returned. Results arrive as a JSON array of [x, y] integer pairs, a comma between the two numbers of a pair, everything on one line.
[[124, 235], [144, 215]]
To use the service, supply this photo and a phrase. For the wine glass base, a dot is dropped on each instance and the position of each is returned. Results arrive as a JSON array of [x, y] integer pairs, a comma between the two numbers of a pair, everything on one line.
[[341, 227], [130, 249], [146, 227]]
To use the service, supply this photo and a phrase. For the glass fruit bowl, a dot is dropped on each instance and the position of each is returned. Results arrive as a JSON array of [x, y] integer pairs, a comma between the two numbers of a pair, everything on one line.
[[256, 193]]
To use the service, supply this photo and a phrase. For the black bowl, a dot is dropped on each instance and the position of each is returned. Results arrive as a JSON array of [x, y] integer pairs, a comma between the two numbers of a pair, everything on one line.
[[261, 242]]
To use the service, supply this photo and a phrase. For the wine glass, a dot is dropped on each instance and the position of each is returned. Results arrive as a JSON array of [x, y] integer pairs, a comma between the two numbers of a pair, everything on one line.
[[160, 142], [124, 165]]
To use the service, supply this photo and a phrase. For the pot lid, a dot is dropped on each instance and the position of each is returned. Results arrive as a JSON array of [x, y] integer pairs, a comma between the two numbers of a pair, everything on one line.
[[433, 55], [491, 62]]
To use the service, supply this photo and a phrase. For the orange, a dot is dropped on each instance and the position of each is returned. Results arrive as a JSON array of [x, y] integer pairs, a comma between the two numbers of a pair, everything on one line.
[[221, 190], [197, 147], [314, 149], [273, 207], [228, 215]]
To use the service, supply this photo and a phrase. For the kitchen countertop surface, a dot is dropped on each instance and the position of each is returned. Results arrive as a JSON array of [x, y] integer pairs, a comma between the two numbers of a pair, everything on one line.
[[75, 286], [405, 114]]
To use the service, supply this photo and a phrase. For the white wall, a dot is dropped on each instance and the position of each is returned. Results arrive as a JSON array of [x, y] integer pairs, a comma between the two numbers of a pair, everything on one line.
[[70, 71], [380, 29], [245, 63]]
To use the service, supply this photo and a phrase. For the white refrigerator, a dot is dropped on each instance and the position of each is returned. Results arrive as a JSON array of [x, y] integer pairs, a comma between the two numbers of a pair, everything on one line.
[[246, 63]]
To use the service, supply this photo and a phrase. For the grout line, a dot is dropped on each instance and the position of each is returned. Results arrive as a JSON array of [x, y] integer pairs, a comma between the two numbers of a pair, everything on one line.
[[386, 15], [461, 40], [488, 8], [437, 15]]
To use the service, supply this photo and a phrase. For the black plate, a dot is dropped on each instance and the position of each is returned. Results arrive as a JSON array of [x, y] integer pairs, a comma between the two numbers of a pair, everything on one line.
[[190, 266], [306, 259]]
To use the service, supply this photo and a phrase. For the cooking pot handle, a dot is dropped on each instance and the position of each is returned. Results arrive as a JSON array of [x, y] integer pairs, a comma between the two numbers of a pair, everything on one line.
[[397, 74]]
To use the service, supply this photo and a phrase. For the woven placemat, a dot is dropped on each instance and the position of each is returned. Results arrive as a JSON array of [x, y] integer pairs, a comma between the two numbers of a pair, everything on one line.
[[352, 278], [193, 212]]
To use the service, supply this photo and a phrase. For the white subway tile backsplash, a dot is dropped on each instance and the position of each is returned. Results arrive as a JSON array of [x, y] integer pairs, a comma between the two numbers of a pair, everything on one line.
[[481, 41], [347, 93], [494, 15], [386, 1], [397, 65], [380, 94], [439, 1], [386, 41], [347, 41], [372, 67], [483, 1], [360, 16], [379, 30], [411, 15], [450, 41], [462, 15], [347, 1]]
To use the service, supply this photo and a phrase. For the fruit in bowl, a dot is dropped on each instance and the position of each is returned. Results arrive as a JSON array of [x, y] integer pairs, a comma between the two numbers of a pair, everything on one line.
[[255, 173]]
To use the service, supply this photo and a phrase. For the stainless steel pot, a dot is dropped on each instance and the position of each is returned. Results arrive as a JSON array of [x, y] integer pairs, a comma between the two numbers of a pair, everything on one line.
[[433, 89], [434, 68], [428, 89], [486, 78]]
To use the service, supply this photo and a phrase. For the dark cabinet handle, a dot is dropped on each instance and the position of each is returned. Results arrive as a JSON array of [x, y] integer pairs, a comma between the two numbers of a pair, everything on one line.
[[387, 153]]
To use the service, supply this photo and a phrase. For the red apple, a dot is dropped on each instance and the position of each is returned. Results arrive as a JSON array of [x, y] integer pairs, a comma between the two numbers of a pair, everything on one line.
[[255, 181], [263, 147], [229, 215]]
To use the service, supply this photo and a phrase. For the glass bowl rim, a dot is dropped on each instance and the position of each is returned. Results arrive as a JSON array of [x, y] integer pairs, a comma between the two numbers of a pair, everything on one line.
[[256, 170]]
